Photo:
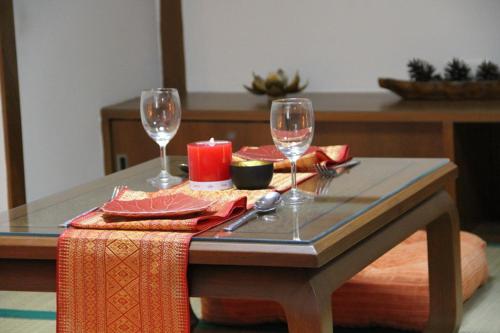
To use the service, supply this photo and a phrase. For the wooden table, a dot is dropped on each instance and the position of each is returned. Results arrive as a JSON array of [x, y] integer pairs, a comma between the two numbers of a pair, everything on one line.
[[302, 254]]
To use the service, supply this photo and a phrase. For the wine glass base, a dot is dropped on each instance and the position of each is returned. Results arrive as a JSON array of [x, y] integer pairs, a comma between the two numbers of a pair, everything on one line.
[[296, 197], [164, 181]]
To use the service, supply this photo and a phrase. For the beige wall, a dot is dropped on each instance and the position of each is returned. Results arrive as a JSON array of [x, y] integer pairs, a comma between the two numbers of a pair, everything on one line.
[[75, 57], [339, 45]]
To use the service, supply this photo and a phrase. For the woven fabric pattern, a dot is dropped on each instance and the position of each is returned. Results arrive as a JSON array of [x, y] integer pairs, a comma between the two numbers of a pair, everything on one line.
[[115, 281]]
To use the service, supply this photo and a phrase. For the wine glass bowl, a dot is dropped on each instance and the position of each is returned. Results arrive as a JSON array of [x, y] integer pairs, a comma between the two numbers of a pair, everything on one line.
[[292, 130], [161, 118]]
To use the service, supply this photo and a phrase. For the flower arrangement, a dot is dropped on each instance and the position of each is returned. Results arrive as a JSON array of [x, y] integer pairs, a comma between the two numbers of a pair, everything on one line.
[[275, 84]]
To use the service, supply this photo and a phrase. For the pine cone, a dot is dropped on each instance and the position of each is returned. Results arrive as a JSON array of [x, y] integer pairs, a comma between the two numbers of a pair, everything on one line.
[[421, 70], [457, 70], [437, 77], [487, 71]]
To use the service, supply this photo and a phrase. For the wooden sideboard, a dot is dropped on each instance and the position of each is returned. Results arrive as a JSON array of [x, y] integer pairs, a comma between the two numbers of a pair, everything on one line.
[[373, 124]]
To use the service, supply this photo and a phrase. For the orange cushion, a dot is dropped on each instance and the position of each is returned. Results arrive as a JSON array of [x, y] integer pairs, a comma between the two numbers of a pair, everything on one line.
[[392, 291]]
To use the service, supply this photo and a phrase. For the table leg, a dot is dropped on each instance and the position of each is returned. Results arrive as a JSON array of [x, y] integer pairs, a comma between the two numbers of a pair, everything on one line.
[[193, 320], [445, 283], [304, 294], [308, 309]]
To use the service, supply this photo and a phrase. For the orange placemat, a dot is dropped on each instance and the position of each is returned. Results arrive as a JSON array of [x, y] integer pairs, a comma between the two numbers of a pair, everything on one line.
[[125, 275]]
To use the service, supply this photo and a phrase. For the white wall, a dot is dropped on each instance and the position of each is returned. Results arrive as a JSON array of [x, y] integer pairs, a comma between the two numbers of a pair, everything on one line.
[[339, 45], [75, 57], [3, 171]]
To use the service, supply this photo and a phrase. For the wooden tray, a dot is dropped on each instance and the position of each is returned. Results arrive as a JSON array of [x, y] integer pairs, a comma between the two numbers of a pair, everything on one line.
[[442, 90]]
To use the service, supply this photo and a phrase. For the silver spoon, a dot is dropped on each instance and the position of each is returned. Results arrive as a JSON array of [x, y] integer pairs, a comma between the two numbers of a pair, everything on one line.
[[265, 204]]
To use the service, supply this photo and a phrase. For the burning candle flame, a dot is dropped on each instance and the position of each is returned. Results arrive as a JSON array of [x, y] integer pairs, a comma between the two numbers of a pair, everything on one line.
[[211, 142]]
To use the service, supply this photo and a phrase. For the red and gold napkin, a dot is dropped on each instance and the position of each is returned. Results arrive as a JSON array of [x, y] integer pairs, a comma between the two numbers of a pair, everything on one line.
[[123, 274], [328, 155], [228, 203]]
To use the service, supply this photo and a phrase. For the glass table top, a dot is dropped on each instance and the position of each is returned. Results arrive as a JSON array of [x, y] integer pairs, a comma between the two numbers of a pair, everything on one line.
[[336, 201]]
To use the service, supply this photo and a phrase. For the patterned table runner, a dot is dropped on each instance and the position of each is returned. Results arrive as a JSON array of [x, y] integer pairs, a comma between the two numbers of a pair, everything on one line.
[[126, 275]]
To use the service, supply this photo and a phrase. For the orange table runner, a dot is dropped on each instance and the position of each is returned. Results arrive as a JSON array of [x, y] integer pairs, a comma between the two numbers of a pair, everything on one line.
[[116, 281], [126, 275]]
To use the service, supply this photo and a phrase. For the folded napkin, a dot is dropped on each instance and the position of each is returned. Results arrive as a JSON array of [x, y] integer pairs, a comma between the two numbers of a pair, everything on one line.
[[225, 207], [329, 155]]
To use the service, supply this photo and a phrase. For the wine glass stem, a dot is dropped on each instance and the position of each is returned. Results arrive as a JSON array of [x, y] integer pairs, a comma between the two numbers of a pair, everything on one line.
[[294, 175], [163, 157]]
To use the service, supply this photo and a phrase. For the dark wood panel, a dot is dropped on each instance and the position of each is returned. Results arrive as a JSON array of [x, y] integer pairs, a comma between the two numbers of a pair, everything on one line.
[[383, 139], [172, 45], [107, 150], [28, 275], [477, 147], [11, 111]]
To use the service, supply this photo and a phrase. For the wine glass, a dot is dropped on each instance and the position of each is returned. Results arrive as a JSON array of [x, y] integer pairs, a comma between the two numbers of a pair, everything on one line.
[[292, 129], [161, 117]]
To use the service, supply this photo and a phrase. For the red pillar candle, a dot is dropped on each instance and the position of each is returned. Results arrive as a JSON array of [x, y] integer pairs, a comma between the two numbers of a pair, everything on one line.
[[209, 165]]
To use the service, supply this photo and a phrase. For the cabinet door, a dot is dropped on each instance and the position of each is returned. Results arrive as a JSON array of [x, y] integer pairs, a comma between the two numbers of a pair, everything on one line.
[[240, 133], [130, 145], [381, 139]]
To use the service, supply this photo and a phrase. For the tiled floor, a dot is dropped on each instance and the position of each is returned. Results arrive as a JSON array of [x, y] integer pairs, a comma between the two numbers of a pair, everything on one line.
[[34, 312]]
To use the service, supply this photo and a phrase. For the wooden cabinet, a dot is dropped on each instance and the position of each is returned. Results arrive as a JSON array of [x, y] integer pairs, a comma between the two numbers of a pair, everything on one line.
[[357, 119], [374, 125], [130, 143]]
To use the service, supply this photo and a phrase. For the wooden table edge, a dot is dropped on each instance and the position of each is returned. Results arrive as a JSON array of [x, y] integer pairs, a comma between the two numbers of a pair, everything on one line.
[[28, 247], [252, 253]]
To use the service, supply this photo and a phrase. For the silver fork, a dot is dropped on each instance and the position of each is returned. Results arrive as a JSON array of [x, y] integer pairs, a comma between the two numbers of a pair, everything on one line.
[[115, 192], [323, 186], [325, 171]]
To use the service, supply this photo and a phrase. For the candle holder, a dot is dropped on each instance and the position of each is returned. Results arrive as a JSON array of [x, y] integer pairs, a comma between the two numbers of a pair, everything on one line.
[[251, 175], [209, 165]]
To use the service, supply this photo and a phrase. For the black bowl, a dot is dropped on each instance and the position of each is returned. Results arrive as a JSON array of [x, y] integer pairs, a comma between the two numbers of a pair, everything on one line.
[[251, 175]]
